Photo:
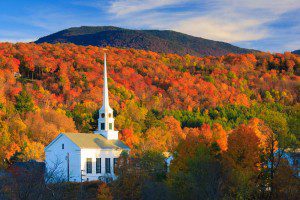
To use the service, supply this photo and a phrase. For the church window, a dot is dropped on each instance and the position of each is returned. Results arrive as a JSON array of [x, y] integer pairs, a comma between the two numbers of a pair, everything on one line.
[[107, 165], [102, 126], [102, 115], [110, 126], [62, 146], [89, 165], [115, 161], [98, 165], [109, 114]]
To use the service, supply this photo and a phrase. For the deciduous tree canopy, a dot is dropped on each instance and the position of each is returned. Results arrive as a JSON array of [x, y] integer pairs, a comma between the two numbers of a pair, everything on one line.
[[159, 100]]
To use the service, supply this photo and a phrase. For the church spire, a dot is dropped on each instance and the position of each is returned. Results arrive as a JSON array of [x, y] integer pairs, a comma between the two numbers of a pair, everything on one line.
[[105, 86], [106, 119], [105, 102]]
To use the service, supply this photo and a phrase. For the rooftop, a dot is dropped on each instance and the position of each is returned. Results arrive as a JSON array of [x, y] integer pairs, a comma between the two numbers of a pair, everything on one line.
[[95, 141]]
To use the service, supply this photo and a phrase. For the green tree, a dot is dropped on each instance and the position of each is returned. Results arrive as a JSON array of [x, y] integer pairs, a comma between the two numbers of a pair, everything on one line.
[[24, 102], [136, 175], [130, 180], [151, 120], [132, 116], [85, 116], [154, 163], [202, 179]]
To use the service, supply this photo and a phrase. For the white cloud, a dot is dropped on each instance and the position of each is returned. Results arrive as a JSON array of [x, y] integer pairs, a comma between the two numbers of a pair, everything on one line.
[[15, 36], [268, 6], [123, 7], [224, 20], [295, 45], [227, 30], [17, 40]]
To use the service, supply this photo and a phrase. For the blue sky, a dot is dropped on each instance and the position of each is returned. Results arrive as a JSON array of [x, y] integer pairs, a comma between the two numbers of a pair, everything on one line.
[[268, 25]]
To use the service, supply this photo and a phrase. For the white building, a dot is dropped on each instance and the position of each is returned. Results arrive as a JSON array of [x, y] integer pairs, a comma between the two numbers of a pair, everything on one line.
[[86, 156]]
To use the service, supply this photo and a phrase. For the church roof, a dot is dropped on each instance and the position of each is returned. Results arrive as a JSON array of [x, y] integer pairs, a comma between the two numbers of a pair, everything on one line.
[[95, 141]]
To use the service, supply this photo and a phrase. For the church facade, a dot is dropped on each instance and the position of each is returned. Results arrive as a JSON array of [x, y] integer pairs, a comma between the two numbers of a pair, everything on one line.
[[81, 157]]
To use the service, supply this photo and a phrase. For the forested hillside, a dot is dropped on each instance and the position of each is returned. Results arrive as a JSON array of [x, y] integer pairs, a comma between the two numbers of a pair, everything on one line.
[[162, 102], [163, 41], [65, 81]]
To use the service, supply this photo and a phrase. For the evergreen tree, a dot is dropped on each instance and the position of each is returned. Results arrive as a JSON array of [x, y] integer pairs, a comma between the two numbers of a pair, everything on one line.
[[24, 102]]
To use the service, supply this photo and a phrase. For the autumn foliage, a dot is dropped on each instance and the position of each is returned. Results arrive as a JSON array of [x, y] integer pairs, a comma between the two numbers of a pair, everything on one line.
[[161, 101]]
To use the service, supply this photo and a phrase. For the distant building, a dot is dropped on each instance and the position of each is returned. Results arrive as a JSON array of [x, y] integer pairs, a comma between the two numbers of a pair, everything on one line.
[[17, 75], [30, 170], [293, 157], [86, 156], [168, 159]]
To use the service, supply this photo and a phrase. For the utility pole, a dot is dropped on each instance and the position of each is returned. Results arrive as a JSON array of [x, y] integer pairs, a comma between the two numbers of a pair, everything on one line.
[[81, 179], [68, 166]]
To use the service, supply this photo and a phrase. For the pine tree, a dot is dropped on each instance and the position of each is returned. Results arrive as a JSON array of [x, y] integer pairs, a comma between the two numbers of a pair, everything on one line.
[[24, 102]]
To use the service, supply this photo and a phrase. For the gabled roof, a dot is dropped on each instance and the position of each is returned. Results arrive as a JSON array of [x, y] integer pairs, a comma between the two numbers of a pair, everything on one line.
[[94, 141]]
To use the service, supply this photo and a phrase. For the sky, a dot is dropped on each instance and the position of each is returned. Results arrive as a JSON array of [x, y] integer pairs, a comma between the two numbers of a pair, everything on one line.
[[267, 25]]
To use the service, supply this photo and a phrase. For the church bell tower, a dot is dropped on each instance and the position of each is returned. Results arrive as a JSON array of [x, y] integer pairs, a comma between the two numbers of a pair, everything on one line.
[[106, 119]]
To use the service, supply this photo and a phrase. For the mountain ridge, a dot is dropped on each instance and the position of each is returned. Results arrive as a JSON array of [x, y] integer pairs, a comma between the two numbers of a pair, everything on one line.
[[162, 41], [296, 52]]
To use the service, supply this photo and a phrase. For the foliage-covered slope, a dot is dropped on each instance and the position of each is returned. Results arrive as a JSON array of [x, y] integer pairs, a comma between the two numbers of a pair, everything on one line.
[[159, 41], [158, 99]]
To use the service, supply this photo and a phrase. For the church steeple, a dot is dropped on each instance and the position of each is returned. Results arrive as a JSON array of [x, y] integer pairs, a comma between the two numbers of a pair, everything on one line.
[[106, 119], [105, 101]]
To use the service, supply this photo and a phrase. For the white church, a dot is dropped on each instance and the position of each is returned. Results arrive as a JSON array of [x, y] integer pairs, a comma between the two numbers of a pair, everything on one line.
[[81, 157]]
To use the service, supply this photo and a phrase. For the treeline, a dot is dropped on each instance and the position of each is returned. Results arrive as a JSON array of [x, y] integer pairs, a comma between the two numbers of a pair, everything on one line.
[[247, 169]]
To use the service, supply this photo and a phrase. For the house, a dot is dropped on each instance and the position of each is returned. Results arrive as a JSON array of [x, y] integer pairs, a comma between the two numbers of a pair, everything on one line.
[[81, 157], [168, 159], [293, 158], [30, 168]]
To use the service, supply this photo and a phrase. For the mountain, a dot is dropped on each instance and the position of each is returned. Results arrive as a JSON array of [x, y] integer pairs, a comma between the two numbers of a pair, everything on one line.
[[296, 52], [163, 41]]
